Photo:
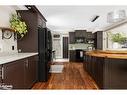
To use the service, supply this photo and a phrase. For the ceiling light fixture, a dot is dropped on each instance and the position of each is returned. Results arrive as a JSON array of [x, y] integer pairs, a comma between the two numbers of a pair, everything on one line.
[[95, 18]]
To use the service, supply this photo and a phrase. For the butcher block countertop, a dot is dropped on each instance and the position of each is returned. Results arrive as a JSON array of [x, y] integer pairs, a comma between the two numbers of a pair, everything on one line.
[[109, 53]]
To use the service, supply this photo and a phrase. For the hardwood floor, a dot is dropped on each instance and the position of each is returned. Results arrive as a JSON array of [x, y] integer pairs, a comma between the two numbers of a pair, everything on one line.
[[73, 77]]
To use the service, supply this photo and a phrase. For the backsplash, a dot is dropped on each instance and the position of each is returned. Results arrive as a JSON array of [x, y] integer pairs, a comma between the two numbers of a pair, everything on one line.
[[7, 44], [79, 46]]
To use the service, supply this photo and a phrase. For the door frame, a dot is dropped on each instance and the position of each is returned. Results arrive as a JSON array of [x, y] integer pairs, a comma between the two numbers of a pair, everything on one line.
[[64, 35]]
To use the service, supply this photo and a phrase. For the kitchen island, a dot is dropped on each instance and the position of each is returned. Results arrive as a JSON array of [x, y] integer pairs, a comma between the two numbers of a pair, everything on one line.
[[107, 68]]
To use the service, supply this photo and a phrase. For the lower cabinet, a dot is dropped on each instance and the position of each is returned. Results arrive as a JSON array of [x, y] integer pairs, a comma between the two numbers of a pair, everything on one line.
[[117, 73], [72, 55], [21, 74], [108, 73], [95, 67], [0, 74], [13, 74], [30, 69]]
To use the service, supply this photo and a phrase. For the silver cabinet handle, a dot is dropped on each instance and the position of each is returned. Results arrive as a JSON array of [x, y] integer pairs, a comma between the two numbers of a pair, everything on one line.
[[2, 76], [27, 63]]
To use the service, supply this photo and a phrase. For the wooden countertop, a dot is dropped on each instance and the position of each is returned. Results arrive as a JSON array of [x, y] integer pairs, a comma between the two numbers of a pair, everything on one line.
[[108, 54]]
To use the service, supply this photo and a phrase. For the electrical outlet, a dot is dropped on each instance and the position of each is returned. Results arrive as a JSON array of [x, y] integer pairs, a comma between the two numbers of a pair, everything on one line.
[[13, 47]]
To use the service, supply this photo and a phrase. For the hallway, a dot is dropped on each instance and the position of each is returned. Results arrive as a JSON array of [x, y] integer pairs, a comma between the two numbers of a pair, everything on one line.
[[73, 77]]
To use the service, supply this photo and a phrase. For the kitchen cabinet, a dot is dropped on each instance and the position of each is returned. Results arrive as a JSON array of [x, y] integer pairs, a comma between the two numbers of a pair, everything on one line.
[[38, 39], [21, 74], [96, 67], [108, 73], [98, 42], [71, 37], [99, 71], [14, 74], [117, 73], [89, 35], [0, 73], [80, 33], [30, 71], [72, 55], [33, 19]]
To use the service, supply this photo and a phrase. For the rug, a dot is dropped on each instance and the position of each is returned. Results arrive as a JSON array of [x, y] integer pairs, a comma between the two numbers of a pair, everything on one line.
[[56, 68]]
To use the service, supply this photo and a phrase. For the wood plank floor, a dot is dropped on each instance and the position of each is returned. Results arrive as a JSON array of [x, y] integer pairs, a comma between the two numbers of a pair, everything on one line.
[[73, 77]]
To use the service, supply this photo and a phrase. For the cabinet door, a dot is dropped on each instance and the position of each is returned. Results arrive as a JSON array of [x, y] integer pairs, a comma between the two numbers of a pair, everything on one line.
[[89, 65], [93, 66], [41, 21], [30, 42], [100, 40], [0, 73], [72, 55], [89, 35], [30, 76], [80, 33], [118, 74], [71, 37], [99, 77], [14, 74]]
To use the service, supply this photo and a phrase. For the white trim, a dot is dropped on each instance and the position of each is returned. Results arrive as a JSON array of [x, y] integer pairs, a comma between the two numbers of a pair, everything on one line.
[[116, 24]]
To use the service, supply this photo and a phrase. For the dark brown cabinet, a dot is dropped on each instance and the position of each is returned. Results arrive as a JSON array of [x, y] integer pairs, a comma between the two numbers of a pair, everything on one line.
[[108, 73], [21, 74], [30, 71], [0, 73], [89, 35], [72, 55], [95, 66], [117, 73], [98, 42], [14, 74], [33, 20], [80, 33], [71, 37]]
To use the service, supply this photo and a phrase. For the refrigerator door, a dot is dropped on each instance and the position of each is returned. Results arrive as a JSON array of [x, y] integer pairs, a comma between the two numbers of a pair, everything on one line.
[[42, 48]]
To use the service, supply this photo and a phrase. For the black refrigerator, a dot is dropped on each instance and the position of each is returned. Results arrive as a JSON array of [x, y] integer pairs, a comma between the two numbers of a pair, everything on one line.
[[44, 50]]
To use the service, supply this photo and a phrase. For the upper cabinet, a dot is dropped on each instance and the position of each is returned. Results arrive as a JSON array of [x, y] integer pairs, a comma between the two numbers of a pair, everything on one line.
[[41, 21], [80, 33], [98, 42], [71, 37], [33, 20], [81, 36], [89, 35]]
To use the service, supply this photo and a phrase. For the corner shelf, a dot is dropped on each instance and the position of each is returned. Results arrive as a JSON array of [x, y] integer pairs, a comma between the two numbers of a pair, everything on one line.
[[9, 29]]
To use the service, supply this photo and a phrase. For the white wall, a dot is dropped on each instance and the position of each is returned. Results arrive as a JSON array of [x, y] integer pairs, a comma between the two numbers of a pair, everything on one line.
[[6, 44], [59, 53]]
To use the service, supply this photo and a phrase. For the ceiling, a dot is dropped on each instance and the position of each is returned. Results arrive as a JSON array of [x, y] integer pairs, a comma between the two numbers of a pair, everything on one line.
[[70, 18]]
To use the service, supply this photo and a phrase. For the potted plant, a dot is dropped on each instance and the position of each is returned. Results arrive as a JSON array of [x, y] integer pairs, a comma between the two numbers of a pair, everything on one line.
[[18, 25], [117, 39]]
